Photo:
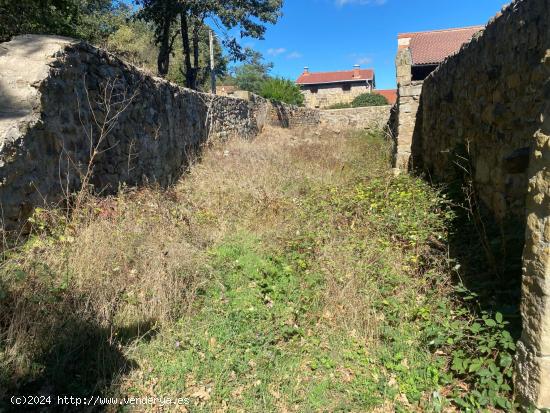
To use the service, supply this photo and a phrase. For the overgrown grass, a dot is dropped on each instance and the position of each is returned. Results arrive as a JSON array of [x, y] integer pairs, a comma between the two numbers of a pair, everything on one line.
[[292, 273]]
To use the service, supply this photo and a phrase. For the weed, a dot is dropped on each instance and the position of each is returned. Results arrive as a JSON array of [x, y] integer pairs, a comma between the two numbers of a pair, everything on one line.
[[292, 273]]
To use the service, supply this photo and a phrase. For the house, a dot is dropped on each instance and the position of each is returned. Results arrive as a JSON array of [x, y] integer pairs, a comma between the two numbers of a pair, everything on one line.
[[428, 49], [324, 89], [418, 55], [389, 94]]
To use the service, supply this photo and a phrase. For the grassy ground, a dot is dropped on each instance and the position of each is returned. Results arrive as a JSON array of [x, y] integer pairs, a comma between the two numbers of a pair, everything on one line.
[[294, 273]]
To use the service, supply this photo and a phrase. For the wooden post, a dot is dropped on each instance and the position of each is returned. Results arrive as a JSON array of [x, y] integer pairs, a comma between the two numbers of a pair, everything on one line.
[[212, 64]]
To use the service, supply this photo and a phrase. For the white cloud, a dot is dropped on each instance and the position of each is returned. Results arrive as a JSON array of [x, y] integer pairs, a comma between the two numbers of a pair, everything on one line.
[[341, 3], [294, 55], [276, 52], [361, 59]]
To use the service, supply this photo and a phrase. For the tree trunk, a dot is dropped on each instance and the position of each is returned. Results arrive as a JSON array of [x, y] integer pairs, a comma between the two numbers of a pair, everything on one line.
[[189, 74], [163, 60], [196, 64]]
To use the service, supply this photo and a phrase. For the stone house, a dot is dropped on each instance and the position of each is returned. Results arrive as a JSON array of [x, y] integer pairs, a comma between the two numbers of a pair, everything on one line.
[[323, 89], [418, 55]]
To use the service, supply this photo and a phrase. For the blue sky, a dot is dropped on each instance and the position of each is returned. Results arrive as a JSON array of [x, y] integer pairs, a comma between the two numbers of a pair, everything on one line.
[[331, 35]]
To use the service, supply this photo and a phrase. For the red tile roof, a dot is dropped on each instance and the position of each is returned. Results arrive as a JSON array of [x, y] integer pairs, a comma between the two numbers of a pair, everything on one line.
[[390, 94], [434, 46], [334, 77]]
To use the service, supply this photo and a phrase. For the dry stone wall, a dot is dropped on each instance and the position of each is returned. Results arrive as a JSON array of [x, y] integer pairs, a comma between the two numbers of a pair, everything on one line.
[[64, 103], [79, 97], [485, 104], [370, 118], [484, 113]]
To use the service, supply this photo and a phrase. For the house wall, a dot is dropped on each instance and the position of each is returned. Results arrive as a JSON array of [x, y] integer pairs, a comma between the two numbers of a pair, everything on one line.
[[331, 94], [408, 100]]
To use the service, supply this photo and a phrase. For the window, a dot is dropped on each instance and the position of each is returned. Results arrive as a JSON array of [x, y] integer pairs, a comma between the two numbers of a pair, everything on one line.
[[314, 90], [346, 87]]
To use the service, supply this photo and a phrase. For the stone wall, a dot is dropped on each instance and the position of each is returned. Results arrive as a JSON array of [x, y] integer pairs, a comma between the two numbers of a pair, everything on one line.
[[483, 114], [61, 98], [485, 104], [533, 354], [370, 117], [64, 103]]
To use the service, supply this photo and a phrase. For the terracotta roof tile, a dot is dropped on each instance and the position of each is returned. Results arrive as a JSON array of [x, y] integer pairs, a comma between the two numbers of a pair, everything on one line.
[[434, 46], [334, 77], [390, 94]]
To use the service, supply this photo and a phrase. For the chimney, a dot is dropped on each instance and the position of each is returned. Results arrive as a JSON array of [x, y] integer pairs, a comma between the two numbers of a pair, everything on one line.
[[403, 41], [306, 71], [356, 73]]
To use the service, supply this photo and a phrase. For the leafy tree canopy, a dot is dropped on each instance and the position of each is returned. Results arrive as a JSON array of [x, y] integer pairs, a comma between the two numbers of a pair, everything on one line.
[[86, 19], [282, 90], [251, 75]]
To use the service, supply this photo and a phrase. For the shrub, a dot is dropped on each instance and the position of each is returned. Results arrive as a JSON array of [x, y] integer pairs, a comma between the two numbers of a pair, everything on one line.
[[282, 90], [369, 99]]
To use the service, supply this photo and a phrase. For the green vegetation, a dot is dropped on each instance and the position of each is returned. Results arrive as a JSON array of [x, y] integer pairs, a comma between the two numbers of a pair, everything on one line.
[[279, 275], [369, 99], [251, 75], [365, 99], [167, 37], [88, 19], [282, 90]]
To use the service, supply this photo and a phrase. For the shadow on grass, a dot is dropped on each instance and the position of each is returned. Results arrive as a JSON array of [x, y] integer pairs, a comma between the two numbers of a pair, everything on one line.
[[75, 358], [488, 254]]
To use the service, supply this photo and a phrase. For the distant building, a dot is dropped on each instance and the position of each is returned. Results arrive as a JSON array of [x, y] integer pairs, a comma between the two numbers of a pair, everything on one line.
[[428, 49], [324, 89], [418, 55], [389, 94]]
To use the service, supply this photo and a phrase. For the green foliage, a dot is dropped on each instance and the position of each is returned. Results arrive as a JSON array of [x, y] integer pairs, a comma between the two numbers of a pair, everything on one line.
[[177, 71], [91, 20], [481, 351], [249, 17], [365, 99], [29, 16], [282, 90], [251, 76], [369, 99], [134, 42]]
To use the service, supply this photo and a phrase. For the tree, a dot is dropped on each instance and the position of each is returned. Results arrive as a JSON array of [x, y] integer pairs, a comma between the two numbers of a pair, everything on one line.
[[250, 15], [84, 19], [282, 90], [177, 72], [252, 75], [134, 41], [163, 15]]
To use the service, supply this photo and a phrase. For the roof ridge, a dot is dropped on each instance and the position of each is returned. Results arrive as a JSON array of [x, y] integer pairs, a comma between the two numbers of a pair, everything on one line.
[[341, 71], [453, 29]]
